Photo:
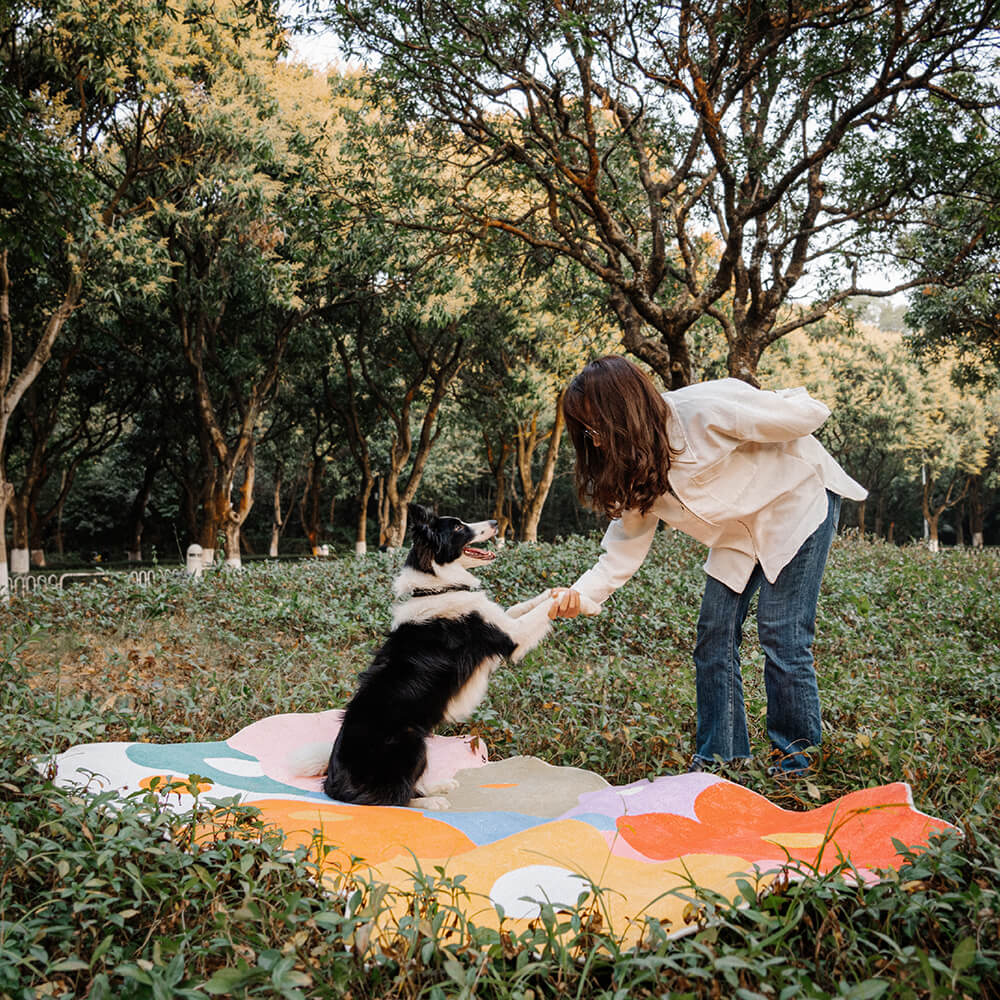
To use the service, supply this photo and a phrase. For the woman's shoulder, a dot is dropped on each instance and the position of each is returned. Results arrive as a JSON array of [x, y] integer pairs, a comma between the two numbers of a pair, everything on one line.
[[715, 388], [706, 400]]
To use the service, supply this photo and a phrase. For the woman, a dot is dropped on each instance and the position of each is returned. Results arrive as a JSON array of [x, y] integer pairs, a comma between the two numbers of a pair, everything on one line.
[[738, 469]]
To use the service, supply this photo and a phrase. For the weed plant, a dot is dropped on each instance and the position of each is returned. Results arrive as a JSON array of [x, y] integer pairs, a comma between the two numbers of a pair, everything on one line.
[[102, 897]]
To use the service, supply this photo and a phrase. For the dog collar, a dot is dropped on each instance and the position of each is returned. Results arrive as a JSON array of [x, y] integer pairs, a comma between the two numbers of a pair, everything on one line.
[[444, 590]]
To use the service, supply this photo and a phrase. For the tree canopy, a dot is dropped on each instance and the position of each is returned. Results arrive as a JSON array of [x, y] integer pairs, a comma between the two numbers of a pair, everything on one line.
[[224, 273], [697, 159]]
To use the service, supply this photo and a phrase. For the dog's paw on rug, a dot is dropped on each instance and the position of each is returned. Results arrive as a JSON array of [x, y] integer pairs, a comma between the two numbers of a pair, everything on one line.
[[522, 832]]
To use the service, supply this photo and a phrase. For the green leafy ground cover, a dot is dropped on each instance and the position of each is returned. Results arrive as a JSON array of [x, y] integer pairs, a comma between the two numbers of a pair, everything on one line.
[[103, 903]]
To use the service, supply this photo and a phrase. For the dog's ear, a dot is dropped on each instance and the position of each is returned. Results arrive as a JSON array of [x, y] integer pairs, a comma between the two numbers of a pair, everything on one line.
[[421, 555], [419, 516]]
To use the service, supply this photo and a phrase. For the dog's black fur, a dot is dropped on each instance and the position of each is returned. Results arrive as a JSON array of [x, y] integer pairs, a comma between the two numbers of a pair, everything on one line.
[[446, 638]]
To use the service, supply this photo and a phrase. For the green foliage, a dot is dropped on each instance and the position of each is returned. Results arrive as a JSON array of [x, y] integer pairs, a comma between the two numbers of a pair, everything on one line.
[[908, 433], [42, 185], [959, 314], [111, 898], [697, 160]]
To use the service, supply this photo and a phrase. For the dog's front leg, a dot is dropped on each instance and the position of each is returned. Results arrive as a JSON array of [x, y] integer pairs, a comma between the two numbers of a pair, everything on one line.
[[519, 610], [529, 630], [587, 606], [529, 627]]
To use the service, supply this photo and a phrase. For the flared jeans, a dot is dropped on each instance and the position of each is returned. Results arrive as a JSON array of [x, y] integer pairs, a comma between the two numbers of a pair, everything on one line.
[[786, 624]]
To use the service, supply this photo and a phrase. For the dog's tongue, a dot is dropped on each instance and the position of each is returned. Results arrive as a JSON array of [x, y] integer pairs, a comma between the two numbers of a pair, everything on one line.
[[479, 554]]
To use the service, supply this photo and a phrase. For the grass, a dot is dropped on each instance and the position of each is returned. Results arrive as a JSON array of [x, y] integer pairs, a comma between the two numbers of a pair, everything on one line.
[[100, 902]]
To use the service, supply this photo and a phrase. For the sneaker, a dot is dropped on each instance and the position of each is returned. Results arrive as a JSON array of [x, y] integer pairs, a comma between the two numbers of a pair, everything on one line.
[[788, 773]]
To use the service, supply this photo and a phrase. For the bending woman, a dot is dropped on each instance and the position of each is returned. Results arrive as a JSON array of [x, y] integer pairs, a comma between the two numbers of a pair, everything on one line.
[[738, 469]]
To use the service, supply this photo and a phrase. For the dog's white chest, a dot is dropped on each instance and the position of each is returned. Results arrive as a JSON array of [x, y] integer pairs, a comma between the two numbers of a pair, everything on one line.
[[464, 703]]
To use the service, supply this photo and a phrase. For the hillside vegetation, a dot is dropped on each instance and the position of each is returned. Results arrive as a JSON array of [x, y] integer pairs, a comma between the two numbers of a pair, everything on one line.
[[100, 905]]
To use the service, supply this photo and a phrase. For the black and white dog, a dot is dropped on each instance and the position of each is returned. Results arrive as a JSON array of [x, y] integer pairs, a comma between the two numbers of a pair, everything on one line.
[[446, 638]]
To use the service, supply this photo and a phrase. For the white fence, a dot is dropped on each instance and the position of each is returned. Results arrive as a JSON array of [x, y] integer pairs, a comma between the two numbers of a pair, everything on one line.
[[28, 582]]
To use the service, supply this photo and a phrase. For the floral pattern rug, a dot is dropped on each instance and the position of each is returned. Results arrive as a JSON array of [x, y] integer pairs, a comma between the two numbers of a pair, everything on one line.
[[520, 833]]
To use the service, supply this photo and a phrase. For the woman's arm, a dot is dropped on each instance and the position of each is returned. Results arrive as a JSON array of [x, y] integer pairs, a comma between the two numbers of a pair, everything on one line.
[[732, 409], [625, 545]]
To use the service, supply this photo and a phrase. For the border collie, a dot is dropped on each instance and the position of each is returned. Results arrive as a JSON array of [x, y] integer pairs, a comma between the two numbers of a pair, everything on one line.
[[446, 639]]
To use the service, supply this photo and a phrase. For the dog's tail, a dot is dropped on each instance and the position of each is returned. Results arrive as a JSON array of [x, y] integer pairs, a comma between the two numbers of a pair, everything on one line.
[[309, 759]]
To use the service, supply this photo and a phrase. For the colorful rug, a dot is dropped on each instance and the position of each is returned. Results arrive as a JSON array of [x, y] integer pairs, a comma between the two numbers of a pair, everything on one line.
[[520, 833]]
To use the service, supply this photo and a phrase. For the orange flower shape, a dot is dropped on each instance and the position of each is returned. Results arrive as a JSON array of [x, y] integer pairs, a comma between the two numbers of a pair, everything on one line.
[[732, 820], [372, 834]]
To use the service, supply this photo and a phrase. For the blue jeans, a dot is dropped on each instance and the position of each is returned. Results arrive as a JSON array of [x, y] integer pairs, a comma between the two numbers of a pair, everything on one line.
[[786, 623]]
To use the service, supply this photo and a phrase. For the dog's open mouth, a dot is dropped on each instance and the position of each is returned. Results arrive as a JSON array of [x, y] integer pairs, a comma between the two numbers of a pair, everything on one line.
[[483, 554]]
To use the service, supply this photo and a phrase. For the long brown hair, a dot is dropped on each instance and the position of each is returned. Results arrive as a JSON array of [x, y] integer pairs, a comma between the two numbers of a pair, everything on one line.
[[615, 400]]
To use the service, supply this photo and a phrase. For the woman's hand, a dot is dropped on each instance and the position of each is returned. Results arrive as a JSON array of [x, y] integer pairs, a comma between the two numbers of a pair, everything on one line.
[[567, 602]]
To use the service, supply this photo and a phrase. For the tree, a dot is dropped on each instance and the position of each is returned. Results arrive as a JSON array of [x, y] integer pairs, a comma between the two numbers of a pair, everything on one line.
[[242, 208], [958, 312], [954, 318], [71, 87], [903, 432], [984, 485], [354, 403], [950, 434], [633, 138], [407, 371], [866, 378], [512, 390], [71, 414]]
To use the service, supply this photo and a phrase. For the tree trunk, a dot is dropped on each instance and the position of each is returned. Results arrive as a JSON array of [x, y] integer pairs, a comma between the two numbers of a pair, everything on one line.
[[134, 552], [977, 513], [214, 512], [5, 493], [211, 527], [236, 517], [501, 505], [60, 547], [11, 392], [435, 377], [879, 515], [276, 520], [361, 538], [932, 528], [497, 459], [932, 513], [13, 387], [395, 533], [930, 518], [20, 548], [382, 512], [312, 522], [743, 360], [234, 558], [862, 509], [59, 514], [535, 494], [137, 511], [667, 354]]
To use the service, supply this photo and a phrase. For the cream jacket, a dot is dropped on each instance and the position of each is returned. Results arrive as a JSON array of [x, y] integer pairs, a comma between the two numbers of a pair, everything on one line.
[[750, 482]]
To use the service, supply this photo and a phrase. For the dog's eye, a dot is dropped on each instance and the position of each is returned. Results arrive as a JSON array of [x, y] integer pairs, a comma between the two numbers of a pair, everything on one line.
[[457, 527]]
